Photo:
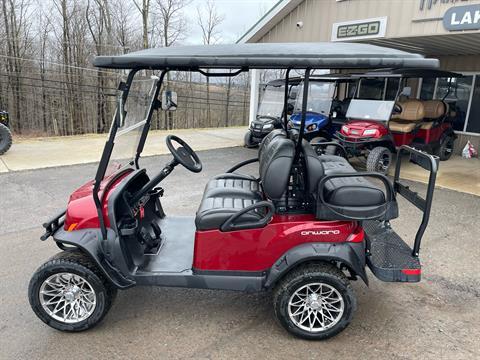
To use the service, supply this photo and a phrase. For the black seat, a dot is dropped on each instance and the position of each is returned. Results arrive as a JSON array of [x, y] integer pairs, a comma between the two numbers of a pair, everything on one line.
[[223, 183], [227, 194], [347, 191]]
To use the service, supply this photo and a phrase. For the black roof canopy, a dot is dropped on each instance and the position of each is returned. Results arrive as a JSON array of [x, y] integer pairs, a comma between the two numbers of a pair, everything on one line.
[[409, 73], [327, 55]]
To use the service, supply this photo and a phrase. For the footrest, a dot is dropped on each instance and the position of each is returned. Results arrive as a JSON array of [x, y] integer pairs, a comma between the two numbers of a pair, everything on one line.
[[390, 259]]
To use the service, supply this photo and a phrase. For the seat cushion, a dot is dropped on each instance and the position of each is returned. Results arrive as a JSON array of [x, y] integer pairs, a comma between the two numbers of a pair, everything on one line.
[[401, 126], [215, 210], [335, 164], [353, 191], [234, 183]]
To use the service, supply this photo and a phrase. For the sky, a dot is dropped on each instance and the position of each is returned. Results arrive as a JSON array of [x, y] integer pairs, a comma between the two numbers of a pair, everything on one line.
[[239, 16]]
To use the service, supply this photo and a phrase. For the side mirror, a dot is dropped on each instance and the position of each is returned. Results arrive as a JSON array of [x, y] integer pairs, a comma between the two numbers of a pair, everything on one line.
[[169, 100], [120, 114]]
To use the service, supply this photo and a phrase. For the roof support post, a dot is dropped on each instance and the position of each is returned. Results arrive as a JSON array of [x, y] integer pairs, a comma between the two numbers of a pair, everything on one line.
[[254, 94]]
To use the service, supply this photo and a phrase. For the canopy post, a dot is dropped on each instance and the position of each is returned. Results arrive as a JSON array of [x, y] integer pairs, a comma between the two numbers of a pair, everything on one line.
[[306, 86], [254, 84], [285, 101]]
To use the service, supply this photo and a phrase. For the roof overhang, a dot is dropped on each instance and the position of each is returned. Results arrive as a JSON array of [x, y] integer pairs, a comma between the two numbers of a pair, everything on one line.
[[324, 55], [465, 43]]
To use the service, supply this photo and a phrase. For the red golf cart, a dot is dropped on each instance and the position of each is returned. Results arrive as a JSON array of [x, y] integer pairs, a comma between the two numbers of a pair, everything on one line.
[[392, 117], [303, 226]]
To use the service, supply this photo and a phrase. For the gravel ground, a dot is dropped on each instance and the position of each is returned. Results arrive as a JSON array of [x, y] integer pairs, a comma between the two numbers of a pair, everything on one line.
[[434, 319]]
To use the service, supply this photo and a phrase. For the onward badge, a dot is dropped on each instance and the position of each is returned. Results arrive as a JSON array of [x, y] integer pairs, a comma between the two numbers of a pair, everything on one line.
[[319, 232]]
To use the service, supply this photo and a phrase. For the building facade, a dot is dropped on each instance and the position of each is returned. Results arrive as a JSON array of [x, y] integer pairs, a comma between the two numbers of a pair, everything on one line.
[[445, 29]]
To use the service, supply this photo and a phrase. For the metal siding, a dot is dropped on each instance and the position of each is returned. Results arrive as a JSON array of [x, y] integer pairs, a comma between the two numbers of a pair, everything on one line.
[[319, 15]]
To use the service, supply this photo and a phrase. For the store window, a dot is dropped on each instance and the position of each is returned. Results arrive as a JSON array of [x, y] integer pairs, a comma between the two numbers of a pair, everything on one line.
[[455, 92], [473, 124], [371, 89]]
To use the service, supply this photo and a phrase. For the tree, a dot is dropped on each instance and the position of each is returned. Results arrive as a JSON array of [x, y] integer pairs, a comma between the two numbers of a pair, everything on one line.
[[209, 22], [144, 10]]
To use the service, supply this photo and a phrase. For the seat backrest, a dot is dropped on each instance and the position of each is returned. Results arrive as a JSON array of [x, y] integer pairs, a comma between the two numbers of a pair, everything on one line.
[[434, 109], [269, 138], [314, 167], [412, 110], [276, 156]]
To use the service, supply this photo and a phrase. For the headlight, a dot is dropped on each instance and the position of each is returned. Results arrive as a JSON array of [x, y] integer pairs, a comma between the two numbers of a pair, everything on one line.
[[290, 125], [369, 132], [311, 127], [345, 129], [268, 127]]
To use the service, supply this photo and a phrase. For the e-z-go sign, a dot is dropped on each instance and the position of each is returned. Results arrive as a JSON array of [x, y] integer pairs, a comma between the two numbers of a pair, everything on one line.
[[359, 29], [460, 18]]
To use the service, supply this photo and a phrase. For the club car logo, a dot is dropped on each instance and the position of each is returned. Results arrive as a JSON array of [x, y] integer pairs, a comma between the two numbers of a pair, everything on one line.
[[319, 232]]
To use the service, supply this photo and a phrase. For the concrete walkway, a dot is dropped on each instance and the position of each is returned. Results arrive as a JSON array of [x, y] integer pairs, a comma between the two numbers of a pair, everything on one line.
[[39, 153], [456, 174]]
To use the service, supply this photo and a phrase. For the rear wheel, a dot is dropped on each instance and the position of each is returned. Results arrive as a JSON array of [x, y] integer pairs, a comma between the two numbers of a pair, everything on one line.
[[69, 293], [5, 139], [314, 302], [379, 160], [318, 149], [445, 150]]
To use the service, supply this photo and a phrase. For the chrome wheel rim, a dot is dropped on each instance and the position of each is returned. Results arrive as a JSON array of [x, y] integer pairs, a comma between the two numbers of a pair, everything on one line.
[[384, 162], [67, 298], [316, 307]]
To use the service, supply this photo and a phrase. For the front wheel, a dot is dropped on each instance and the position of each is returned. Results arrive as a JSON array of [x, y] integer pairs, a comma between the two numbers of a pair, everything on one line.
[[379, 160], [68, 292], [248, 140], [5, 139], [314, 302]]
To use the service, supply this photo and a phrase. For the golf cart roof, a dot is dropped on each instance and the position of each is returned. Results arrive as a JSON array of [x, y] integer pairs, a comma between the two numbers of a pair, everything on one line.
[[409, 73], [324, 55]]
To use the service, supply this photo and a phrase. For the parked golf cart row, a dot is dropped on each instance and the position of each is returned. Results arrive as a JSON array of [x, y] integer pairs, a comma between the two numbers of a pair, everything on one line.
[[326, 109], [373, 124], [304, 226]]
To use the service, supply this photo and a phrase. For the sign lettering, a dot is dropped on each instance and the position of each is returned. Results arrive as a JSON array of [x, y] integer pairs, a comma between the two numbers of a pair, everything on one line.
[[358, 29], [461, 18]]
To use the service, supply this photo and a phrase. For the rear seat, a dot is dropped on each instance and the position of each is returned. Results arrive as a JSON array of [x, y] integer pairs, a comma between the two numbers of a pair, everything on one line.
[[347, 191], [412, 113], [434, 110]]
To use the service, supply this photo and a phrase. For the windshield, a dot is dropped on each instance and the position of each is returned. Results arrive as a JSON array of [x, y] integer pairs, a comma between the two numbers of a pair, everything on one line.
[[136, 108], [272, 101], [320, 96], [370, 110]]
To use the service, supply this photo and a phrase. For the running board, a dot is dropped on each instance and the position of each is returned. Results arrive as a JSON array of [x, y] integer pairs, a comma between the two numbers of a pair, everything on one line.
[[389, 257]]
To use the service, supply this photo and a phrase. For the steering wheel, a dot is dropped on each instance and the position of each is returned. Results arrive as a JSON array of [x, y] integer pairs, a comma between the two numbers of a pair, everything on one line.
[[184, 154], [397, 108]]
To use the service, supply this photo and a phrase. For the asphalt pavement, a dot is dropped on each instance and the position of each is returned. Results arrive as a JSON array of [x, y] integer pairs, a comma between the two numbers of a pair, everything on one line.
[[437, 318]]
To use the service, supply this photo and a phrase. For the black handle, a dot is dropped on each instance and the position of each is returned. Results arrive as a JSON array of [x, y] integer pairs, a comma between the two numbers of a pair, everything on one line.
[[229, 224], [241, 164]]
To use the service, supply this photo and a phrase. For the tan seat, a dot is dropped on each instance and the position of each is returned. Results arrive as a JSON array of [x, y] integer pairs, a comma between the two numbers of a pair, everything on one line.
[[434, 109], [412, 113]]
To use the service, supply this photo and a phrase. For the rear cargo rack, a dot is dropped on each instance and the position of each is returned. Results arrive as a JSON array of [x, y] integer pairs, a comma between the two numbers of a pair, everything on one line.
[[389, 257]]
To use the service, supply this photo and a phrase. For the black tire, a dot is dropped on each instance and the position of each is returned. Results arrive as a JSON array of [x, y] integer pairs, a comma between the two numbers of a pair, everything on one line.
[[310, 274], [379, 160], [5, 139], [318, 149], [248, 140], [445, 150], [77, 263]]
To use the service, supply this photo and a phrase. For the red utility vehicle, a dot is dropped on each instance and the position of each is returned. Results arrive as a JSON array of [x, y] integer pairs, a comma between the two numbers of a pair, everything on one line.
[[303, 226], [379, 126]]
